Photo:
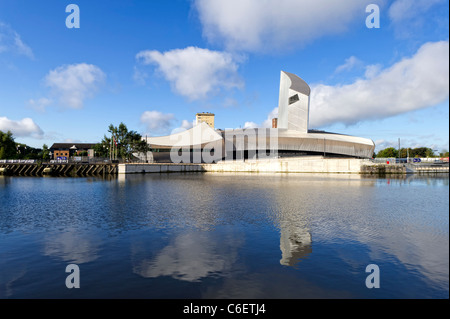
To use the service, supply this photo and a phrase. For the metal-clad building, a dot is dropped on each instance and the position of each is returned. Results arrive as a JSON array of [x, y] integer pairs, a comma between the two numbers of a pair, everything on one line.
[[291, 136]]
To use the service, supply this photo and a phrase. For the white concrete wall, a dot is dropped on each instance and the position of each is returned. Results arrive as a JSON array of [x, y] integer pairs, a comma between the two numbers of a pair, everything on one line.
[[291, 165], [279, 165], [158, 168]]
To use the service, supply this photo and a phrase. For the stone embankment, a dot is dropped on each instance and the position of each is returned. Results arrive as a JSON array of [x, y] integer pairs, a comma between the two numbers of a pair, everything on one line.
[[277, 165], [57, 169]]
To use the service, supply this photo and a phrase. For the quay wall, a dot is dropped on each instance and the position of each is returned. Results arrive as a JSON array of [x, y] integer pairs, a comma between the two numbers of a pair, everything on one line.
[[136, 168], [57, 169], [279, 165], [291, 165], [381, 169]]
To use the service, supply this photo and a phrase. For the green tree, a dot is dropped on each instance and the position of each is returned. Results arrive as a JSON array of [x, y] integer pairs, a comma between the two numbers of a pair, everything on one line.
[[404, 152], [7, 145], [121, 141], [45, 152], [101, 149], [388, 152], [429, 152], [24, 151], [420, 152], [444, 153], [21, 151]]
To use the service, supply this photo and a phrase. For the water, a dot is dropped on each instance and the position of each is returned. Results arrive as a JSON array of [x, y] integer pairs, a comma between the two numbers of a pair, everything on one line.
[[224, 236]]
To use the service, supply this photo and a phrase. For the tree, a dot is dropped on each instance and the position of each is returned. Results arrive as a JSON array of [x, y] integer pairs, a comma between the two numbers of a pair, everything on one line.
[[101, 149], [388, 152], [7, 145], [429, 152], [9, 149], [45, 152], [122, 142], [421, 152], [404, 152], [24, 151]]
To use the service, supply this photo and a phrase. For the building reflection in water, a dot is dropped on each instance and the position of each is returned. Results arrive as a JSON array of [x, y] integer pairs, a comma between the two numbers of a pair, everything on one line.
[[295, 243], [299, 200]]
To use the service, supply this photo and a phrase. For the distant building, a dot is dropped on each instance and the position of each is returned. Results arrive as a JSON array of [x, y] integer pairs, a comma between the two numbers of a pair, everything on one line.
[[290, 131], [205, 117], [274, 122], [66, 150]]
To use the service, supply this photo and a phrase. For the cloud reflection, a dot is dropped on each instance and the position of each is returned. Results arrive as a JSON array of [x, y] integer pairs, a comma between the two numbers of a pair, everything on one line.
[[190, 256], [72, 246]]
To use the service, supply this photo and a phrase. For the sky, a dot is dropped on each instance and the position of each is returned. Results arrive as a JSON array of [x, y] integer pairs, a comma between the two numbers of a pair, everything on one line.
[[66, 76]]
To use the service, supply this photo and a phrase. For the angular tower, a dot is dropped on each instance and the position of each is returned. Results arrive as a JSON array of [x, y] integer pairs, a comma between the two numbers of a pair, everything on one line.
[[293, 103]]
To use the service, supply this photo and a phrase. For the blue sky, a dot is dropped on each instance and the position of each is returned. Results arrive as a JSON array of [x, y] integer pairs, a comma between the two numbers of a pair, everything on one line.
[[154, 64]]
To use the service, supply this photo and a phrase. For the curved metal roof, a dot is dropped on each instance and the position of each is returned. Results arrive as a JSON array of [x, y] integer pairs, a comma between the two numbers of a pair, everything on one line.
[[195, 136], [298, 84]]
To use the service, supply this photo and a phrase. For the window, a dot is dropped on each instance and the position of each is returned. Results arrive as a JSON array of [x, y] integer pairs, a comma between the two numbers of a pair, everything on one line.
[[293, 99]]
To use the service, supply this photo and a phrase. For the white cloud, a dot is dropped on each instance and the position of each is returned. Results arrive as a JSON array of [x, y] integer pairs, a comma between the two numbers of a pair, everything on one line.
[[267, 123], [372, 70], [72, 84], [139, 76], [195, 72], [40, 104], [349, 64], [410, 16], [161, 123], [10, 41], [413, 83], [185, 125], [156, 121], [403, 10], [250, 124], [22, 128], [254, 25]]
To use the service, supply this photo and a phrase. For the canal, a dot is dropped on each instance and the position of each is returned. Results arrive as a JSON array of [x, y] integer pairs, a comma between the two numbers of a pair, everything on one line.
[[224, 235]]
